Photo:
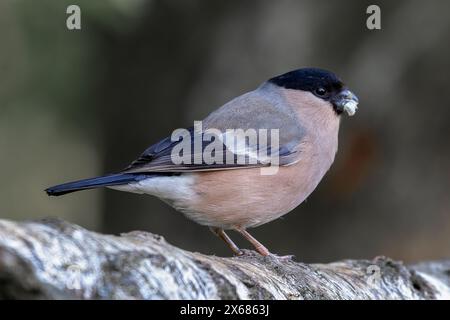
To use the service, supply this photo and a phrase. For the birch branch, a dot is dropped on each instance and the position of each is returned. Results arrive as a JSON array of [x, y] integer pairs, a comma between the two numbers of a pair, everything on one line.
[[53, 259]]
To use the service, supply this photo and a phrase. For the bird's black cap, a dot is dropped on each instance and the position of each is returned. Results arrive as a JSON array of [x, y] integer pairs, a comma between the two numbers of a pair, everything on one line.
[[309, 79]]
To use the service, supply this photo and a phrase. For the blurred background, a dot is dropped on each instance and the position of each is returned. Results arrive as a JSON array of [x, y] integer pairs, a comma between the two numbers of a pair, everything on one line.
[[75, 104]]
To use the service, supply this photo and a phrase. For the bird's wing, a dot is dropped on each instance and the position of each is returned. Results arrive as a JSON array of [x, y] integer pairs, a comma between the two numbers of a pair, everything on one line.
[[250, 111]]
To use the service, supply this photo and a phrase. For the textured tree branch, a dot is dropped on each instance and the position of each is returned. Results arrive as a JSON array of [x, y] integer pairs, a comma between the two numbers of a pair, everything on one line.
[[52, 259]]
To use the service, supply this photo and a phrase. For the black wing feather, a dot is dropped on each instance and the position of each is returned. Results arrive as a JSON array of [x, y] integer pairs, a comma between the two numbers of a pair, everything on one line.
[[157, 158]]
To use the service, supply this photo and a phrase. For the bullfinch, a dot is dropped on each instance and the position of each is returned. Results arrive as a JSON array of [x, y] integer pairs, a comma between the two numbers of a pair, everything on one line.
[[302, 109]]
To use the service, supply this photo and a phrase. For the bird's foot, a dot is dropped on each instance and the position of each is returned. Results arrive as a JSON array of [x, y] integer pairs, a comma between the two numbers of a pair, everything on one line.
[[253, 253], [247, 253]]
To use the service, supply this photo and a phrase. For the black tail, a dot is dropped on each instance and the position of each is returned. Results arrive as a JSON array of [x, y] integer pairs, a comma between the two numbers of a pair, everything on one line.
[[109, 180]]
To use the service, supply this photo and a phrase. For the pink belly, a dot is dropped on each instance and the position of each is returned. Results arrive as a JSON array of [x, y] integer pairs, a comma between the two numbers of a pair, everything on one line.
[[245, 198]]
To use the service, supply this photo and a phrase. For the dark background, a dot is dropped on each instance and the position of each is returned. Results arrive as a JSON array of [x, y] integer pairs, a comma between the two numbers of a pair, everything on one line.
[[76, 104]]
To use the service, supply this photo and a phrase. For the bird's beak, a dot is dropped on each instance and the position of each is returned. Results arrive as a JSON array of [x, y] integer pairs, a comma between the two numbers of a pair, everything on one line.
[[346, 101]]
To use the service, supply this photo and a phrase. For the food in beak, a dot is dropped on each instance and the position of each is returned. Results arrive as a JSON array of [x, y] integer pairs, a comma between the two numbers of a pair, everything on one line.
[[350, 106]]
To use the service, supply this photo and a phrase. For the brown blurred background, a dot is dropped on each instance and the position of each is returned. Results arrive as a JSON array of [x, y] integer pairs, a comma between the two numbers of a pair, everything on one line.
[[75, 104]]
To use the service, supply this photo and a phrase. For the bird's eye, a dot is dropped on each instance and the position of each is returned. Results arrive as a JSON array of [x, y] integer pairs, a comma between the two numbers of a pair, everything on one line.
[[321, 91]]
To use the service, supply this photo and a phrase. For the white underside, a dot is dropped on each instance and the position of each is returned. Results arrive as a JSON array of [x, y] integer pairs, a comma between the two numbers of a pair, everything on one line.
[[170, 188]]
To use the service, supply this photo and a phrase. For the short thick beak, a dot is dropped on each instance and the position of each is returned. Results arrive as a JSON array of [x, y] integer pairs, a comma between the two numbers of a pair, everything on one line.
[[346, 101]]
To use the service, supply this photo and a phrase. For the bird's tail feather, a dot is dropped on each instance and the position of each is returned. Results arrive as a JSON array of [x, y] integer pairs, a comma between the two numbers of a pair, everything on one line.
[[104, 181]]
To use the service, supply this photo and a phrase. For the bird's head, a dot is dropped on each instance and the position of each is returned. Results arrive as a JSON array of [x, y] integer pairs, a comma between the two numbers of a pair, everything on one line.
[[321, 83]]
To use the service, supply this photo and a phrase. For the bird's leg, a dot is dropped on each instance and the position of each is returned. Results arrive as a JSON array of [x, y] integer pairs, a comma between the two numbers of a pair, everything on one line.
[[222, 235], [258, 245]]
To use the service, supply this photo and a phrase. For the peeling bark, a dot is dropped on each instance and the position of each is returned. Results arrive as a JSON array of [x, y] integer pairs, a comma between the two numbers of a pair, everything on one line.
[[53, 259]]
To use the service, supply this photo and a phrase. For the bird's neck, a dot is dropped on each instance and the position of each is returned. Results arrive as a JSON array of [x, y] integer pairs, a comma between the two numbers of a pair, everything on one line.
[[319, 120]]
